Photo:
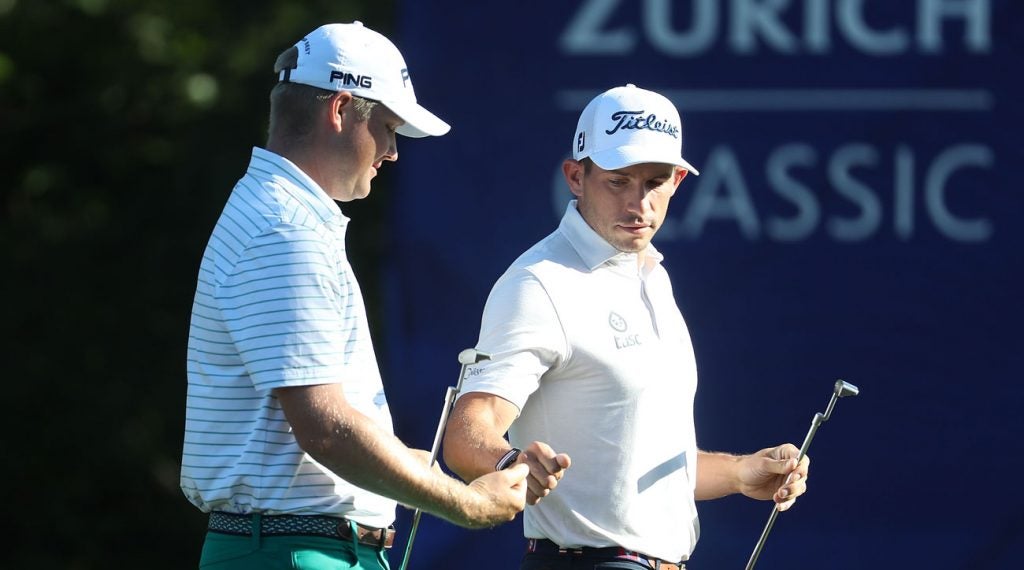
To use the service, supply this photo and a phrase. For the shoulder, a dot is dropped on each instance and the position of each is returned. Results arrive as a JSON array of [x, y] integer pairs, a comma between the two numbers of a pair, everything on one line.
[[547, 259], [266, 202]]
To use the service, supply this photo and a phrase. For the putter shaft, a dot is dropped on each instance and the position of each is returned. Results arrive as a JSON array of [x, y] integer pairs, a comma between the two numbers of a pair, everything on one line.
[[449, 398], [467, 358], [841, 389], [818, 418]]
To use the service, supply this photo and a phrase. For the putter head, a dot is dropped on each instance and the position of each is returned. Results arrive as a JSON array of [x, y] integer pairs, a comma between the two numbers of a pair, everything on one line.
[[472, 356], [844, 389]]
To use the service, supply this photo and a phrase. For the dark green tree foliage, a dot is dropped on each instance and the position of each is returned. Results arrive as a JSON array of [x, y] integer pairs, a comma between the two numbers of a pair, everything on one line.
[[124, 126]]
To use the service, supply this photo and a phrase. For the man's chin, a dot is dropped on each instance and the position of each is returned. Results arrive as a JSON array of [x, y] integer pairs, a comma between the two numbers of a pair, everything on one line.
[[361, 191], [631, 246]]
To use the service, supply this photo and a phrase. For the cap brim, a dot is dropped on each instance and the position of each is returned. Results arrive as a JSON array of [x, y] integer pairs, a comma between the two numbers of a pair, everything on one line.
[[623, 156], [419, 122]]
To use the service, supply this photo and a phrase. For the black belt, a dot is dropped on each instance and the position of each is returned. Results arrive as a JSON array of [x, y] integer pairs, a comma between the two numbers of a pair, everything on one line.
[[301, 525], [543, 545]]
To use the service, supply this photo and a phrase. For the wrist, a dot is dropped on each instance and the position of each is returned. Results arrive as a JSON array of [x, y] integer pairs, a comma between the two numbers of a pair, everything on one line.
[[718, 475], [461, 503], [508, 459]]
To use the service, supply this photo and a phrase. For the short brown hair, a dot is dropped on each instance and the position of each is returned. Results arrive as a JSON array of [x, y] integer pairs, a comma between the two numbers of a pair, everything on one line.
[[294, 107]]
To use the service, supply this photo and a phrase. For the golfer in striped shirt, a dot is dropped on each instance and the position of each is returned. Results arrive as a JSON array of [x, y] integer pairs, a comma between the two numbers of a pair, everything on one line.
[[288, 438]]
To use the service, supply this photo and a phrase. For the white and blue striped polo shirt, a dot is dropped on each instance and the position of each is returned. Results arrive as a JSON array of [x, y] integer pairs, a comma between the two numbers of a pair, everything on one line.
[[276, 305]]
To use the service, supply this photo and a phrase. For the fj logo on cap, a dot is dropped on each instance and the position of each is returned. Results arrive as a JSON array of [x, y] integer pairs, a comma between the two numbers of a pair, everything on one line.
[[364, 81], [637, 120], [581, 141]]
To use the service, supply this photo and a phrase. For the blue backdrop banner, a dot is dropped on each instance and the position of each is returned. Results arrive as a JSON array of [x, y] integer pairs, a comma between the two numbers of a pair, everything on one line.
[[858, 216]]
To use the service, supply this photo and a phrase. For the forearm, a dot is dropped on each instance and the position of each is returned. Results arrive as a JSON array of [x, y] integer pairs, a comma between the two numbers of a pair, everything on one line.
[[355, 448], [717, 475], [771, 473], [471, 451], [474, 440], [373, 459]]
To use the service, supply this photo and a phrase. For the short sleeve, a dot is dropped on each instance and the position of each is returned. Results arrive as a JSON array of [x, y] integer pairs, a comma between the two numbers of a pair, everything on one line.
[[283, 305], [521, 331]]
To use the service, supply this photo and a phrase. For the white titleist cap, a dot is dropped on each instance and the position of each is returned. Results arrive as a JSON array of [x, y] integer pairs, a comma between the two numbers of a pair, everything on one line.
[[354, 58], [628, 125]]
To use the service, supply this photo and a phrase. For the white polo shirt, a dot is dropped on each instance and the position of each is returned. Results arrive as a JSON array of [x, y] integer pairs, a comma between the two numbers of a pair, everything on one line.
[[596, 355], [276, 305]]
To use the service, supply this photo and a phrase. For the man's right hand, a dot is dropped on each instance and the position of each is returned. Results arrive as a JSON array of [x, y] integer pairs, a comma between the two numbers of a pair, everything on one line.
[[495, 498]]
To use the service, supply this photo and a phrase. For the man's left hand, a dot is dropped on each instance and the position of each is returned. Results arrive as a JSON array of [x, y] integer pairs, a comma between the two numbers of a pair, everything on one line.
[[773, 473]]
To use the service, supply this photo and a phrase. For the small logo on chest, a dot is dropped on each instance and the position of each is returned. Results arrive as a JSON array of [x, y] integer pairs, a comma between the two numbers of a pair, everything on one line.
[[619, 325]]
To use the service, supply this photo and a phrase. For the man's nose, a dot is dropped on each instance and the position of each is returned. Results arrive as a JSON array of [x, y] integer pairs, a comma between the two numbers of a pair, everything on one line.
[[392, 153], [636, 201]]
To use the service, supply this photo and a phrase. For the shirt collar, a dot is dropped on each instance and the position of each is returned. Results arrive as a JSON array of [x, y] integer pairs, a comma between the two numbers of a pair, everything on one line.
[[297, 183], [594, 250]]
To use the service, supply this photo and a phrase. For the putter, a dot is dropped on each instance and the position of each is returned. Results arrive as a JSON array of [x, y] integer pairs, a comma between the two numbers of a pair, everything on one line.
[[467, 358], [842, 390]]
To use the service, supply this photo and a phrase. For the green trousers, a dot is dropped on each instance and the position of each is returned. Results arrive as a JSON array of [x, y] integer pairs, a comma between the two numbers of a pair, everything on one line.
[[232, 552]]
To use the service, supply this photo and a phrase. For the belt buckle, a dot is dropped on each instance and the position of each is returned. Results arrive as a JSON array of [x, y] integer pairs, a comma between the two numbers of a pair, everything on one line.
[[346, 531], [379, 536]]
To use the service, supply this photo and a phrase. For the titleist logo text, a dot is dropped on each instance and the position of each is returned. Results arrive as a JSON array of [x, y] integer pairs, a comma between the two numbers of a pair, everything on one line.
[[638, 120]]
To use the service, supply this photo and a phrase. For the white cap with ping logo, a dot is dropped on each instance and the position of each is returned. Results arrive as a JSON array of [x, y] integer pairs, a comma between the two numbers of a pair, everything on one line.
[[629, 125], [354, 58]]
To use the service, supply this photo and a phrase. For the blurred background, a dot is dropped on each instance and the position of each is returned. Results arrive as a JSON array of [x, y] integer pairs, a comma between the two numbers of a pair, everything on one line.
[[857, 216]]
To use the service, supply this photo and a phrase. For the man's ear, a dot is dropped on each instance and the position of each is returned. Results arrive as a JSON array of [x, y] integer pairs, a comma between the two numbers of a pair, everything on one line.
[[573, 172], [680, 173], [340, 109]]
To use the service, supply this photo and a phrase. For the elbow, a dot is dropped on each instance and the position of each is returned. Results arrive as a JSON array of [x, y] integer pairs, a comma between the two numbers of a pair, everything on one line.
[[325, 443], [314, 445], [331, 453]]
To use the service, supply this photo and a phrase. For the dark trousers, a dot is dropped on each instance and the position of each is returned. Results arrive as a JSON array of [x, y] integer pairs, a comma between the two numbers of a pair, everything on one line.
[[547, 561], [545, 555]]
